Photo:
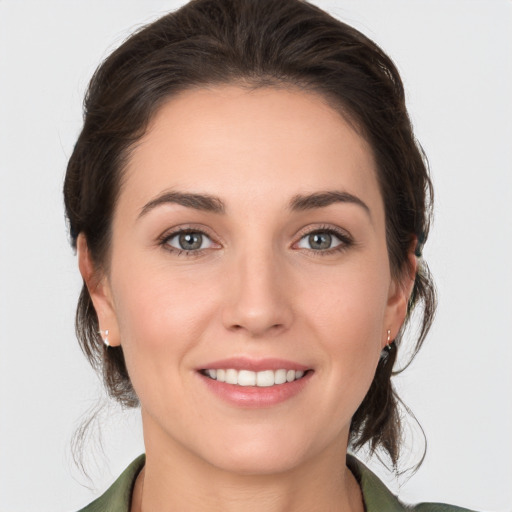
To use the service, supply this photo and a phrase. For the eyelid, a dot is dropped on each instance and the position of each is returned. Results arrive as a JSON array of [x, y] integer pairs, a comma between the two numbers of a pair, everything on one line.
[[308, 230], [343, 236], [170, 233], [204, 239]]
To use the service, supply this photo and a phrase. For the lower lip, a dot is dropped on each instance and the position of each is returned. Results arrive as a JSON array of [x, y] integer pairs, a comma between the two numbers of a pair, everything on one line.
[[253, 397]]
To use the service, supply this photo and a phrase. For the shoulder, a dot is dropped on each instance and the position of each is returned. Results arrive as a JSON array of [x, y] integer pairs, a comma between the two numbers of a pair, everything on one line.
[[118, 496], [378, 498], [437, 507]]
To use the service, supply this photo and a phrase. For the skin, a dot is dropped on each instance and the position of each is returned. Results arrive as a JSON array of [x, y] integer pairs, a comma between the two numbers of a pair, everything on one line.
[[258, 289]]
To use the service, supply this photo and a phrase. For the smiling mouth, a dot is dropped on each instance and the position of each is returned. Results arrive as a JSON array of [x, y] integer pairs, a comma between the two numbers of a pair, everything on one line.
[[262, 379]]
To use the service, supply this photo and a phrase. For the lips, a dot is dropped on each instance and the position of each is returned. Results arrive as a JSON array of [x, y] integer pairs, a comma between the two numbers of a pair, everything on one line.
[[254, 365], [251, 383], [264, 378]]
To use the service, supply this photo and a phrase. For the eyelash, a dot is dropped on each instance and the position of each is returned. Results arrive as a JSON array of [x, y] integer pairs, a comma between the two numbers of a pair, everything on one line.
[[164, 242], [345, 239]]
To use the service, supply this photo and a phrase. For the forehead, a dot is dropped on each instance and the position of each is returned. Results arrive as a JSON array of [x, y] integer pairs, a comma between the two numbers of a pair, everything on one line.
[[236, 142]]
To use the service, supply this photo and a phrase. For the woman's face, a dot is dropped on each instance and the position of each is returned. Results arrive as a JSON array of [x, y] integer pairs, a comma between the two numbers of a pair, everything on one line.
[[248, 244]]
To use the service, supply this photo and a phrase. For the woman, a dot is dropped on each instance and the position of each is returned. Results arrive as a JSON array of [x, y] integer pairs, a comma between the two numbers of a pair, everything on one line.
[[249, 208]]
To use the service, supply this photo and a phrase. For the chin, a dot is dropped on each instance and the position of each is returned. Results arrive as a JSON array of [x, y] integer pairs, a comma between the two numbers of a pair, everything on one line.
[[263, 461], [263, 452]]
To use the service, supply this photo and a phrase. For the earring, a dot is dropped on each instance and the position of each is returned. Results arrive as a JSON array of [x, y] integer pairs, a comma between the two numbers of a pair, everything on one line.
[[387, 349], [105, 339]]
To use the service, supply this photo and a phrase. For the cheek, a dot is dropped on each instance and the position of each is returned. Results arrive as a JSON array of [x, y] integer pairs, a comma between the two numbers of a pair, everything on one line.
[[351, 300], [346, 311], [161, 316]]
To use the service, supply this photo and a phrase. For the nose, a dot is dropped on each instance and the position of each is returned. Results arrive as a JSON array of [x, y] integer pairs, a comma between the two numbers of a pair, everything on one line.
[[258, 301]]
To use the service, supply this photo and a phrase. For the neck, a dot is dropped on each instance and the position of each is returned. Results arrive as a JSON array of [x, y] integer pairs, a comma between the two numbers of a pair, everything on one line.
[[174, 479]]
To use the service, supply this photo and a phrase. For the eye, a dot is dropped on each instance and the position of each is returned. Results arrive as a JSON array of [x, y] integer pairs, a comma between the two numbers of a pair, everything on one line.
[[189, 241], [323, 240]]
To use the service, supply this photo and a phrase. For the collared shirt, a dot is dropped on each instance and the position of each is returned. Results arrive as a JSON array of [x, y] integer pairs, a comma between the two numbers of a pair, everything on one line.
[[376, 496]]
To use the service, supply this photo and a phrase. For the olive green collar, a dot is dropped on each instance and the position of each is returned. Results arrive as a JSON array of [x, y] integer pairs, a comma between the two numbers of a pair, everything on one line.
[[376, 495], [118, 496]]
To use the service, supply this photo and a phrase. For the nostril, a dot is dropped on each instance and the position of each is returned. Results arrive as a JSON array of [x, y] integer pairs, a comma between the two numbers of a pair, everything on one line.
[[258, 331], [257, 315]]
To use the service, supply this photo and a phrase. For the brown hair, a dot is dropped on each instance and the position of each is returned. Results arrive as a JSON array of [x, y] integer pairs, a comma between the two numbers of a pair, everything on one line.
[[255, 43]]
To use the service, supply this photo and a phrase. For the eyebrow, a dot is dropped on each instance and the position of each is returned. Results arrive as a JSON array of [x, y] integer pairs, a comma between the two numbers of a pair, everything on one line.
[[203, 202], [323, 199], [208, 203]]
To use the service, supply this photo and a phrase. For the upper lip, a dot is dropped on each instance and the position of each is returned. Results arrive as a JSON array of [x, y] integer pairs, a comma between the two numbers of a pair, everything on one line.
[[255, 365]]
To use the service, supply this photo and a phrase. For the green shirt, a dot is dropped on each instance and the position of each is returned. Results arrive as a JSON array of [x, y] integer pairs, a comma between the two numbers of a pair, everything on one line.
[[376, 496]]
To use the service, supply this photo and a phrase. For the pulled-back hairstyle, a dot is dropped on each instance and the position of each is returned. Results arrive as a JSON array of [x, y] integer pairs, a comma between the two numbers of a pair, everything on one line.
[[253, 43]]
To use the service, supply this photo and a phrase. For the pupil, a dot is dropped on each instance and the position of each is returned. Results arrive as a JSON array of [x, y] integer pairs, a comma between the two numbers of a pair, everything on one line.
[[320, 240], [190, 241]]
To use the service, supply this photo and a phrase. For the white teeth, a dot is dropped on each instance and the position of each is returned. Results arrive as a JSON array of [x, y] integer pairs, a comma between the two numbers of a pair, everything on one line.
[[265, 378], [246, 378], [231, 376], [280, 377]]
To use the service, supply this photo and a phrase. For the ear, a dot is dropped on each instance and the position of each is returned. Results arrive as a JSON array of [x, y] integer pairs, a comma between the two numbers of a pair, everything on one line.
[[400, 290], [99, 291]]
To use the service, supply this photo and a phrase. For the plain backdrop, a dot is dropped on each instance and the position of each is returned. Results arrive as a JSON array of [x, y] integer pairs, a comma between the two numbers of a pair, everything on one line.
[[455, 58]]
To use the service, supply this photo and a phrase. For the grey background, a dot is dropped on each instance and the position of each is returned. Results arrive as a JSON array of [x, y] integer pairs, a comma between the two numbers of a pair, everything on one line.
[[455, 58]]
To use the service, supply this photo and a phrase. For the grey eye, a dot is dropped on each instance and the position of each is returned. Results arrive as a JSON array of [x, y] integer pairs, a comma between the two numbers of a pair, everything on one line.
[[319, 241], [190, 241]]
